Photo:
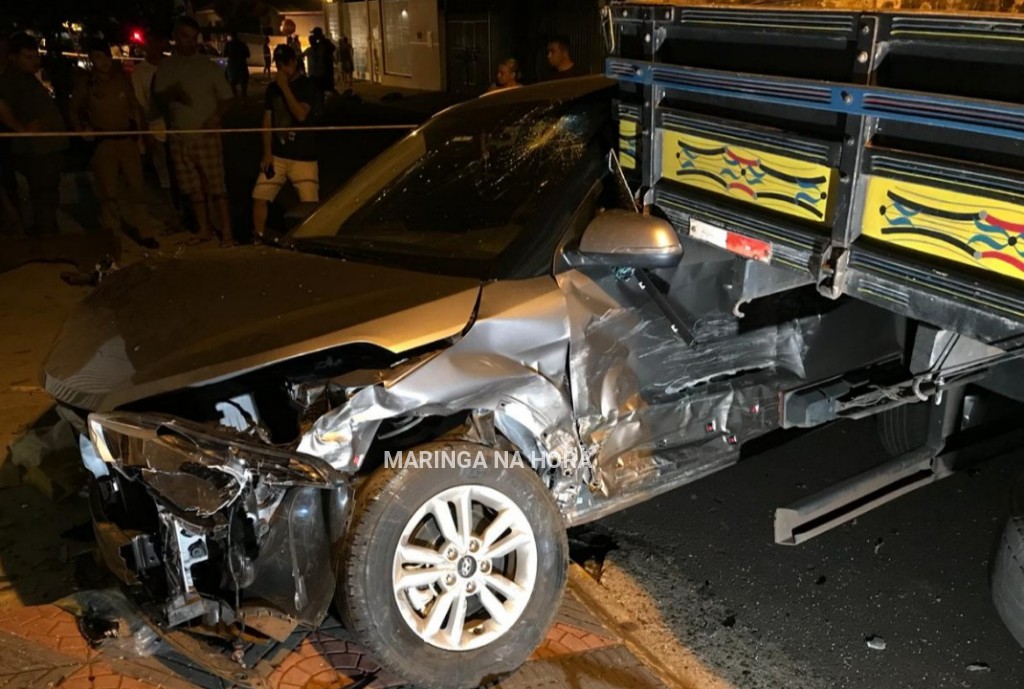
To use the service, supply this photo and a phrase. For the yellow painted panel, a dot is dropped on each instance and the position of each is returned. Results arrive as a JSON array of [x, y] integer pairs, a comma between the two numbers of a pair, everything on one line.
[[769, 180], [965, 228], [627, 143]]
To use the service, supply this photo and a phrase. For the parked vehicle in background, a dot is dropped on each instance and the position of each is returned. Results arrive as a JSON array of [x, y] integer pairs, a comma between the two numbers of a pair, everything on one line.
[[214, 54]]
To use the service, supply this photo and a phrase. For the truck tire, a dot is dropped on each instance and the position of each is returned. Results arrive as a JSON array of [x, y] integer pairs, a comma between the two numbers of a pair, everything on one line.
[[1008, 569], [903, 429], [416, 586]]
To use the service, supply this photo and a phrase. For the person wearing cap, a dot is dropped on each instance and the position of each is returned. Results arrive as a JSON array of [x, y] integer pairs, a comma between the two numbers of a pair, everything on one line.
[[104, 106], [320, 63], [289, 154]]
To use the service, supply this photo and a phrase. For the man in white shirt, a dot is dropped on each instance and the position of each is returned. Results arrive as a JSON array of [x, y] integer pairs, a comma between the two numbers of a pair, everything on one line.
[[194, 94], [142, 85]]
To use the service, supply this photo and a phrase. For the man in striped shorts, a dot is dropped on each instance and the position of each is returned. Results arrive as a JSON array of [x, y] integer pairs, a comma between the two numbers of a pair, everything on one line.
[[194, 94]]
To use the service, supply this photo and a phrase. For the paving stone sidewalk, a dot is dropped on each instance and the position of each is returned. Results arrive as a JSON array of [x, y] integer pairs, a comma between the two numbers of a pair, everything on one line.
[[42, 646]]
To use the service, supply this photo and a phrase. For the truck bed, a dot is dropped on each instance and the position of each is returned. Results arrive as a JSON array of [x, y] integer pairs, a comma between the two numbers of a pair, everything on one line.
[[876, 155]]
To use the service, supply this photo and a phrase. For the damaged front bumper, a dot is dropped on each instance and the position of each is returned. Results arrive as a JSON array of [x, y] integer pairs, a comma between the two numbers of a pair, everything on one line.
[[217, 532]]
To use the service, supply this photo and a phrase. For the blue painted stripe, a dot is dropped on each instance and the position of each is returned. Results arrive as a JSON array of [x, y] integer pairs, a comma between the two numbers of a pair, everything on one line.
[[991, 229], [841, 98], [802, 196], [987, 241], [904, 211]]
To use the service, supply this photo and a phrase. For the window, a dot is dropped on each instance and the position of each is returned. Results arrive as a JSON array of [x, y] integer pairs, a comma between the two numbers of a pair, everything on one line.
[[357, 21], [397, 51]]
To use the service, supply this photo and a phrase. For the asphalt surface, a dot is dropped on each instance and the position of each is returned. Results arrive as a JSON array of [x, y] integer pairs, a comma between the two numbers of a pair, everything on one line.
[[913, 574]]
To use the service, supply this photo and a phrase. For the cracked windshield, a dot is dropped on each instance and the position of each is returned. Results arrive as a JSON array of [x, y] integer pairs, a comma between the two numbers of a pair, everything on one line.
[[466, 189]]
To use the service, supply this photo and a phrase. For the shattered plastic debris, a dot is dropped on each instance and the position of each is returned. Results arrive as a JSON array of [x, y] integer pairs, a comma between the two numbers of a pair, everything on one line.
[[91, 278], [109, 621], [32, 448], [96, 629], [876, 643], [979, 667]]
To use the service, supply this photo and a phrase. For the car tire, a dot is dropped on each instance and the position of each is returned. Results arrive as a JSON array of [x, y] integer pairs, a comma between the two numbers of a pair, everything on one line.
[[903, 428], [1008, 569], [384, 617]]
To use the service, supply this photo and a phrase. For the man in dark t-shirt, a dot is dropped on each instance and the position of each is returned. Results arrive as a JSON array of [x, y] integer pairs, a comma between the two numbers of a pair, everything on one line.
[[289, 154], [26, 106], [560, 59], [237, 53], [321, 60]]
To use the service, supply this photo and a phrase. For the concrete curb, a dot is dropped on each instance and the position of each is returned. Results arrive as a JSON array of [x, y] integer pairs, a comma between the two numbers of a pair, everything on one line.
[[677, 668]]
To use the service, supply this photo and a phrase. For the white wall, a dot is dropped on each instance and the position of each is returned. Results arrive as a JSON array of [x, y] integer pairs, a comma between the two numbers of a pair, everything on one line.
[[425, 49], [425, 53]]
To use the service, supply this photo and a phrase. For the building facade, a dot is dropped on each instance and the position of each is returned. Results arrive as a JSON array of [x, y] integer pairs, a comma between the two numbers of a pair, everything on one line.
[[394, 42], [456, 45]]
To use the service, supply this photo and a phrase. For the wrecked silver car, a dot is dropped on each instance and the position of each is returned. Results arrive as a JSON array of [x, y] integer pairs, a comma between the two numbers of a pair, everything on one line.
[[476, 291]]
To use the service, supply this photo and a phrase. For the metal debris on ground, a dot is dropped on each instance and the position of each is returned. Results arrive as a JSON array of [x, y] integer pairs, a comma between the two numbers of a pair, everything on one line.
[[93, 277], [32, 448], [49, 461], [979, 667], [876, 643]]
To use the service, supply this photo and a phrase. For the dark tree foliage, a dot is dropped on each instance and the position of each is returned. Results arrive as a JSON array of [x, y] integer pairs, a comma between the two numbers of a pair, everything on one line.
[[245, 16], [111, 17]]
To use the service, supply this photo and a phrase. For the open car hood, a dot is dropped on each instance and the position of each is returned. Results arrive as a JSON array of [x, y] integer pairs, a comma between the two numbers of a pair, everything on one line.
[[165, 324]]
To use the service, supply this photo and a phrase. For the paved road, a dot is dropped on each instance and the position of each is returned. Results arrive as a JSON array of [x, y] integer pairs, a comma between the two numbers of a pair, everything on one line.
[[913, 573]]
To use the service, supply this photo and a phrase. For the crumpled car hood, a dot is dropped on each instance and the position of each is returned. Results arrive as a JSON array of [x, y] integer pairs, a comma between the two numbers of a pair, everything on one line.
[[164, 324]]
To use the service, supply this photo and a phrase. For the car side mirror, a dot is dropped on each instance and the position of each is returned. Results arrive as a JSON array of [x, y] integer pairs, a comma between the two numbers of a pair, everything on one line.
[[628, 239]]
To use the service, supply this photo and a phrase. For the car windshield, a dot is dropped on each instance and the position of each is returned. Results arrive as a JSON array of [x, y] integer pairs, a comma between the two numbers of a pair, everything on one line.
[[474, 192]]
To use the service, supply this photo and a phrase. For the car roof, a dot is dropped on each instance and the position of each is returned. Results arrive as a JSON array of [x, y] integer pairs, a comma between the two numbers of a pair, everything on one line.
[[555, 90]]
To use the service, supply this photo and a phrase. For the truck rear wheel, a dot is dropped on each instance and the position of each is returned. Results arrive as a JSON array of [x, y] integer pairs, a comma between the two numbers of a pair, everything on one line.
[[904, 428], [450, 577], [1008, 569]]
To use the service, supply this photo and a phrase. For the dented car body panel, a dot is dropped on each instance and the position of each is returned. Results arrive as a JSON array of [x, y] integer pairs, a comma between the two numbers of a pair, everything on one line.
[[511, 360], [238, 398], [166, 324]]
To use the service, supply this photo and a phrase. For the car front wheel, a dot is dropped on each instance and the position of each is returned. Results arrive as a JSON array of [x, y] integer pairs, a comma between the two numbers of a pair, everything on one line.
[[450, 577]]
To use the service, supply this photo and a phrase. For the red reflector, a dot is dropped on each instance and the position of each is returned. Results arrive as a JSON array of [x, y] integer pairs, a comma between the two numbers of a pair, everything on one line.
[[748, 248], [739, 244]]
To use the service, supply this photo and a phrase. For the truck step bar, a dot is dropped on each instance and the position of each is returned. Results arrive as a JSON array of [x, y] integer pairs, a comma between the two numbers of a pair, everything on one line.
[[847, 500], [821, 512]]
